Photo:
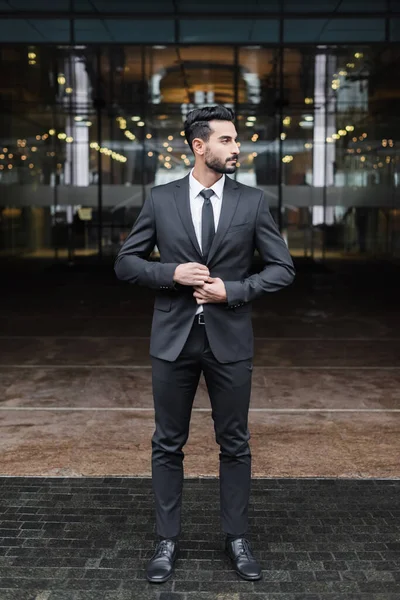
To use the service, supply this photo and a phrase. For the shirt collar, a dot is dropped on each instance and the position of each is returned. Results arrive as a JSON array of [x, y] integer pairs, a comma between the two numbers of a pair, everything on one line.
[[196, 187]]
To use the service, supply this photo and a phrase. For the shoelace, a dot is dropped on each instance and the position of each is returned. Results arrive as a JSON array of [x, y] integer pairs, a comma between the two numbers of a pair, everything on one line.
[[162, 549], [244, 548]]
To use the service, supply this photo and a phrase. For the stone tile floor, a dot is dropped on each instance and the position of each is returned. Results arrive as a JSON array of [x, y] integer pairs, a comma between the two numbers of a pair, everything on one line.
[[324, 518], [90, 539]]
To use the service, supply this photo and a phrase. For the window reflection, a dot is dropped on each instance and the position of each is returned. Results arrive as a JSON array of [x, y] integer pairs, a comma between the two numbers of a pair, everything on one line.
[[86, 127]]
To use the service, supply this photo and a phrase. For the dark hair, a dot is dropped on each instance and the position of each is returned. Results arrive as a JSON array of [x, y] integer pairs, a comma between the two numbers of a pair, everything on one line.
[[197, 122]]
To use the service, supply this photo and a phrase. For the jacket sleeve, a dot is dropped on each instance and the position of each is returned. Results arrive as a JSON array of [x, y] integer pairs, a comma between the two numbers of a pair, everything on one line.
[[278, 270], [132, 262]]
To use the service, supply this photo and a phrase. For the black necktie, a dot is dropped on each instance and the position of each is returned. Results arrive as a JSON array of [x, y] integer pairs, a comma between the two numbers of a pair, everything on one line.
[[207, 222]]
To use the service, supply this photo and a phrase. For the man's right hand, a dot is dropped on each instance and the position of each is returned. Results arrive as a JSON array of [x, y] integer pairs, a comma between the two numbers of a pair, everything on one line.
[[191, 273]]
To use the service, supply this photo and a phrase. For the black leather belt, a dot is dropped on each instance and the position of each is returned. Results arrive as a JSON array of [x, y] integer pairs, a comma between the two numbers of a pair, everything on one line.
[[200, 319]]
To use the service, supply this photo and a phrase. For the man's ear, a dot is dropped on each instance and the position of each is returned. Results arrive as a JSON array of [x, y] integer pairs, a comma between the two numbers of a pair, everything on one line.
[[198, 146]]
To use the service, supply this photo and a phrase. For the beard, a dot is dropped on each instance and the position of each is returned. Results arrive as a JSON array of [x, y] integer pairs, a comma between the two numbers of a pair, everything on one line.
[[217, 165]]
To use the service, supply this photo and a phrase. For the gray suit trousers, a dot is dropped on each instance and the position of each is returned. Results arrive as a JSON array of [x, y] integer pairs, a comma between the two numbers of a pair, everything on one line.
[[174, 388]]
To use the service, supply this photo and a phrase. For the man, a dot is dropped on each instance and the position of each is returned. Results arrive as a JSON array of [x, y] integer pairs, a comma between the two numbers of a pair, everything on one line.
[[206, 227]]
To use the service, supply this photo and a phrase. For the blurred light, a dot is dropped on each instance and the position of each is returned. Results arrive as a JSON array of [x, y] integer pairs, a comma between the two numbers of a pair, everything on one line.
[[5, 149], [69, 139], [308, 145], [183, 156], [135, 118], [10, 155], [1, 167], [149, 136], [354, 139], [33, 148], [31, 55], [45, 136], [364, 135], [31, 165], [350, 65], [51, 132], [362, 158], [380, 164], [23, 157], [2, 156], [287, 159], [283, 136], [309, 118], [170, 137], [68, 90], [32, 62], [140, 124], [343, 73], [161, 157], [388, 159], [384, 143], [328, 139], [187, 143], [61, 79], [169, 148], [308, 100], [167, 158], [10, 166], [342, 132], [359, 55], [307, 124], [350, 127], [38, 137], [252, 118], [249, 124], [165, 144], [62, 136], [336, 136], [182, 133], [78, 118], [149, 154], [255, 154], [286, 121]]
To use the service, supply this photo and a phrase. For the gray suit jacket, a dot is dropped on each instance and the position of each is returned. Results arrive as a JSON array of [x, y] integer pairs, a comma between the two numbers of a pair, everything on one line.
[[245, 224]]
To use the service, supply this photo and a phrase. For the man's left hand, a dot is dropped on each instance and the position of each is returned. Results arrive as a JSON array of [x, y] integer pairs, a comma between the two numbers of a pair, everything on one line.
[[213, 290]]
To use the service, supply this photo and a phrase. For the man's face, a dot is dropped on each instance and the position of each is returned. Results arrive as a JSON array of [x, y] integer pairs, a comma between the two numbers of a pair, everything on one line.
[[221, 151]]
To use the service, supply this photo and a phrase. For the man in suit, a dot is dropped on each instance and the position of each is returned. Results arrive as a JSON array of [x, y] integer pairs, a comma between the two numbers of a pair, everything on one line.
[[206, 227]]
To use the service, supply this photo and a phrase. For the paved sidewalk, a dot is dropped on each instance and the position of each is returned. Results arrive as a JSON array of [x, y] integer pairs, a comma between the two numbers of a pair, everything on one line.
[[90, 539]]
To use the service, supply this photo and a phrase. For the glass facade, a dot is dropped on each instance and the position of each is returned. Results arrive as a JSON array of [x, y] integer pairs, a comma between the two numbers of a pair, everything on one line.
[[94, 95]]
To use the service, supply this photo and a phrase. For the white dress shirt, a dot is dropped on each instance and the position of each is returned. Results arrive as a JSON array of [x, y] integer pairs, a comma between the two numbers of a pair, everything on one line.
[[196, 207]]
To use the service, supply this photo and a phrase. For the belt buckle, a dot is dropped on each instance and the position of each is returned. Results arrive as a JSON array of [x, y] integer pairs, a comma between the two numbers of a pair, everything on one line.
[[200, 318]]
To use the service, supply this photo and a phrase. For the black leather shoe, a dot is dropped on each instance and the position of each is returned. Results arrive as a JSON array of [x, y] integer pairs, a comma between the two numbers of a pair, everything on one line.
[[244, 563], [161, 564]]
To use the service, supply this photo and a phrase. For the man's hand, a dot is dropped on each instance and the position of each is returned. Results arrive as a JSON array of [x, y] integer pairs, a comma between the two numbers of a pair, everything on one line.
[[212, 291], [191, 273]]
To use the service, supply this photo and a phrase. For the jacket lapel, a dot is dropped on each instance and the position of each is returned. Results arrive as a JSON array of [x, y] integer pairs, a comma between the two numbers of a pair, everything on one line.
[[230, 201], [182, 201]]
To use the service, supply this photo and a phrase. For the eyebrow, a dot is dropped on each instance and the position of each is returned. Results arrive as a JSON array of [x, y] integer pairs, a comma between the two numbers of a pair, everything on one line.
[[226, 137]]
